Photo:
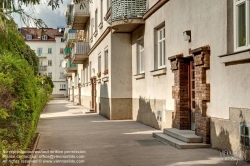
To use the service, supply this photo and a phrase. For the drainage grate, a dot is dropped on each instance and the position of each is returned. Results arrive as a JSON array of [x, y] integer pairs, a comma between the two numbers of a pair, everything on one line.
[[150, 142]]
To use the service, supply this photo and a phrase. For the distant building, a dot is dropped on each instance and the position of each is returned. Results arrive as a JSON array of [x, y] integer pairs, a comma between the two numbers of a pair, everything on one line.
[[48, 44]]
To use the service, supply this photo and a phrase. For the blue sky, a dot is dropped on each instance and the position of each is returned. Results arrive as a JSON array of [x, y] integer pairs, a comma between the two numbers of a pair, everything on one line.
[[51, 18]]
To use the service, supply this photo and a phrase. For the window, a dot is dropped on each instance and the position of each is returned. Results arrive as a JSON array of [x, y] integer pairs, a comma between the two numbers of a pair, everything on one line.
[[41, 62], [242, 25], [140, 56], [62, 86], [62, 40], [106, 59], [61, 50], [61, 63], [92, 25], [50, 74], [245, 135], [44, 37], [28, 37], [49, 62], [86, 74], [101, 12], [82, 76], [90, 70], [161, 48], [61, 75], [99, 63], [49, 50], [39, 52], [96, 20]]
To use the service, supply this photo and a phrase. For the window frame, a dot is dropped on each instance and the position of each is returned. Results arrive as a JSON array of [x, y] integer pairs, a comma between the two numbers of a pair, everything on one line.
[[49, 50], [140, 60], [49, 73], [61, 50], [49, 64], [28, 37], [41, 51], [99, 62], [106, 58], [161, 58], [237, 3], [44, 37]]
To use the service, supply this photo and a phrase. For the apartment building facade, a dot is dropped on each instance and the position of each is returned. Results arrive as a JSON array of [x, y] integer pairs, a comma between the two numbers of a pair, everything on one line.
[[181, 64], [48, 44]]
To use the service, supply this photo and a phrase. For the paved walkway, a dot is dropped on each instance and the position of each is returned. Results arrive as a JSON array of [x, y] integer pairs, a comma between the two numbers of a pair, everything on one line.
[[64, 127]]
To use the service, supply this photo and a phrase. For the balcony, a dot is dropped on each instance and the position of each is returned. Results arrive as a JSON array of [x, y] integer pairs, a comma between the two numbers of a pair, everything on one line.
[[69, 14], [126, 15], [71, 35], [71, 68], [80, 52], [67, 53], [80, 16], [42, 68], [42, 55]]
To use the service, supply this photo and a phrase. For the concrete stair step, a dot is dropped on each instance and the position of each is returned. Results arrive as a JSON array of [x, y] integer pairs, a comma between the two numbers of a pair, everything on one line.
[[178, 143], [188, 136]]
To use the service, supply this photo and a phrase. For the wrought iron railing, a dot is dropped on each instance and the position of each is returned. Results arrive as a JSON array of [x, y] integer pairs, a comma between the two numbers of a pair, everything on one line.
[[127, 9]]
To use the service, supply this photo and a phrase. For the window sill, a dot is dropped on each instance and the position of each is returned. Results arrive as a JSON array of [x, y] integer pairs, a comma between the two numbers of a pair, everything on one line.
[[83, 85], [86, 84], [105, 79], [100, 25], [139, 76], [62, 89], [236, 56], [159, 72]]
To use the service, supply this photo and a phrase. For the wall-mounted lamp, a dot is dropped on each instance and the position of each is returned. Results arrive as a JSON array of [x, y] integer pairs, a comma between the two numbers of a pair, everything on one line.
[[187, 36]]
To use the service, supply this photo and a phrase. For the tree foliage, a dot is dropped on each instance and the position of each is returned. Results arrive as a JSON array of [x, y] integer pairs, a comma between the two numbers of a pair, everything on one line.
[[22, 94]]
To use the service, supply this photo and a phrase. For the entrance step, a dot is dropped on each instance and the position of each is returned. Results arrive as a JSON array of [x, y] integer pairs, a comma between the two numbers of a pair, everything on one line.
[[187, 136], [178, 143]]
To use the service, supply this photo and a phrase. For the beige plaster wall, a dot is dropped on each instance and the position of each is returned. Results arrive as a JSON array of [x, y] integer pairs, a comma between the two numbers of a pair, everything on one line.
[[121, 66], [207, 28], [145, 111]]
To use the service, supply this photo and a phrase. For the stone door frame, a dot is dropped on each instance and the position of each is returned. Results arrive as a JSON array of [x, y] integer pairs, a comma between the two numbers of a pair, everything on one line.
[[181, 115]]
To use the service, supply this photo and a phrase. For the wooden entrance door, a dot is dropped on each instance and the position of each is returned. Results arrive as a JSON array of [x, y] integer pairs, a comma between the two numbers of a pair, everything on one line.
[[191, 87], [93, 93]]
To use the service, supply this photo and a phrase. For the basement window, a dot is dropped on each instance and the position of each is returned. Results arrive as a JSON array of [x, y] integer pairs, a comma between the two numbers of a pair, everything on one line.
[[244, 135]]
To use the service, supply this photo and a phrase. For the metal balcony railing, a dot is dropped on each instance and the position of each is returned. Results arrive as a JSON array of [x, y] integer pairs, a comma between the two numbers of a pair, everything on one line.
[[127, 9], [80, 48], [43, 68], [78, 10], [69, 14], [67, 51]]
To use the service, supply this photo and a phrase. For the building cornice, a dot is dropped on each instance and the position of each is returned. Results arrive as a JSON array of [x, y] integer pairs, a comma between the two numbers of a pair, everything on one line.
[[154, 8]]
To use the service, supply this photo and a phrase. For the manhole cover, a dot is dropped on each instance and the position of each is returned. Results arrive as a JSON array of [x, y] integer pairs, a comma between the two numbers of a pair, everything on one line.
[[150, 142]]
